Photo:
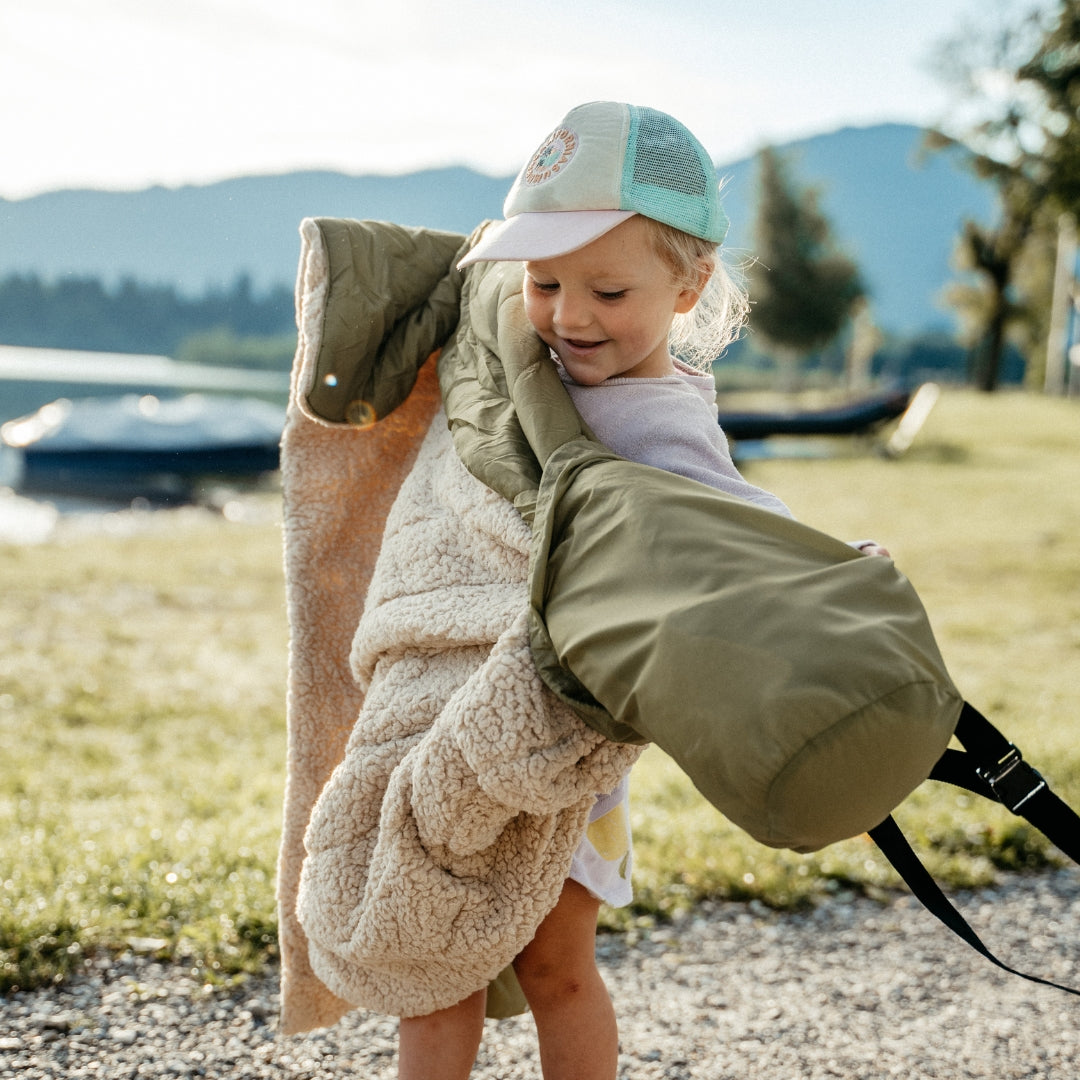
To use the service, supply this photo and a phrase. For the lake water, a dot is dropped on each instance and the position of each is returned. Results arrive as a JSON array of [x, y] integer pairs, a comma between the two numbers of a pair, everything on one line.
[[30, 378]]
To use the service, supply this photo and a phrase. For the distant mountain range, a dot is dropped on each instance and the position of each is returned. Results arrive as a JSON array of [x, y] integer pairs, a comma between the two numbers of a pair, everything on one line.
[[896, 215]]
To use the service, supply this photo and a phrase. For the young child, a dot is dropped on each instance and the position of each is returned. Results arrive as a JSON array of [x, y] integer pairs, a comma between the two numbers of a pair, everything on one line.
[[618, 222]]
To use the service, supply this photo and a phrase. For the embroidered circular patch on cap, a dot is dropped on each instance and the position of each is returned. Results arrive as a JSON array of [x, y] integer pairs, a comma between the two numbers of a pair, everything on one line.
[[553, 156]]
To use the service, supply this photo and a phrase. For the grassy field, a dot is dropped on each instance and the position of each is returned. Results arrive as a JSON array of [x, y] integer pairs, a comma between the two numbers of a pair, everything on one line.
[[142, 715]]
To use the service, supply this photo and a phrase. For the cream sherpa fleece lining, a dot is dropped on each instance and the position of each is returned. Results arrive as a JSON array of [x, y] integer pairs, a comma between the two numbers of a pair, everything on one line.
[[338, 484], [447, 828], [446, 833]]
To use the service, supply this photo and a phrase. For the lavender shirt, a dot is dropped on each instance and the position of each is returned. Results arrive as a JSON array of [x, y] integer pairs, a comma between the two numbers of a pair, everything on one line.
[[669, 423]]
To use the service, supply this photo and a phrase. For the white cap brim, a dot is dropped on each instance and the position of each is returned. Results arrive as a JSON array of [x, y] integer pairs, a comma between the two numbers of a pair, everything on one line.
[[547, 235]]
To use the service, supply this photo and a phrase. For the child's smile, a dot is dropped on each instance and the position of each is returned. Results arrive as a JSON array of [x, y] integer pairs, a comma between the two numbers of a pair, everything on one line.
[[607, 308], [585, 348]]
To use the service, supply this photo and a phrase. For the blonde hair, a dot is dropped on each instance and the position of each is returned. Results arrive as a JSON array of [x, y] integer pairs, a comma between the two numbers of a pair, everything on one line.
[[699, 336]]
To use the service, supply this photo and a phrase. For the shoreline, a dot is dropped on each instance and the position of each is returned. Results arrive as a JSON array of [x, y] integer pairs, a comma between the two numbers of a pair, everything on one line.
[[39, 519]]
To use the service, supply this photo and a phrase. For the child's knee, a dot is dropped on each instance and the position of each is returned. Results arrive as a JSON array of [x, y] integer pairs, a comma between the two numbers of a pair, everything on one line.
[[548, 984]]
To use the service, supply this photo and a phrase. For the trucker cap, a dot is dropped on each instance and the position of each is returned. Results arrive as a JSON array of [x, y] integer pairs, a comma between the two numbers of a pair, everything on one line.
[[605, 162]]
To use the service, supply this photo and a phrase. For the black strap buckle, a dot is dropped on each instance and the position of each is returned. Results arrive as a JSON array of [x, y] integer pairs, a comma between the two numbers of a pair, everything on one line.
[[1012, 779]]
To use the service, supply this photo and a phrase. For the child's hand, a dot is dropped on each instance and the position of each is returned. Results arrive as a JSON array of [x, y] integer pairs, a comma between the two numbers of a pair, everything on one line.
[[874, 549]]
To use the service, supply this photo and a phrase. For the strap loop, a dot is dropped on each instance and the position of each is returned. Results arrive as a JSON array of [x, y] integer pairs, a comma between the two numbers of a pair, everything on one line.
[[907, 864], [992, 767]]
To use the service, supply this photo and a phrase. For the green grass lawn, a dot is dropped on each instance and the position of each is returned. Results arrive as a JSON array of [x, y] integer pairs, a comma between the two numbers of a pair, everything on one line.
[[142, 703]]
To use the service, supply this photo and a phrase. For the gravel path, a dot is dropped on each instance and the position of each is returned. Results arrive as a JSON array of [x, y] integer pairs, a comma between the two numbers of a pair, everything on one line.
[[853, 989]]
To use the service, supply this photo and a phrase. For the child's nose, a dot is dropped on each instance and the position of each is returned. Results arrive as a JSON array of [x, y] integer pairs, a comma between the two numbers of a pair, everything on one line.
[[571, 312]]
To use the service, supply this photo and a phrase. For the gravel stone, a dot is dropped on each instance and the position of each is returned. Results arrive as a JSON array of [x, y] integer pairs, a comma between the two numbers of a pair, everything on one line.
[[852, 989]]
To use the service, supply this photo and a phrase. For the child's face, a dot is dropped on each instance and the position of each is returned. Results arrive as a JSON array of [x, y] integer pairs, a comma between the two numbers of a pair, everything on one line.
[[606, 309]]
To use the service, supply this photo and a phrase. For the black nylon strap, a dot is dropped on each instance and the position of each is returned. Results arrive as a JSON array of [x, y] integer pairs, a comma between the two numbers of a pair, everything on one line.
[[898, 851], [956, 767], [991, 766]]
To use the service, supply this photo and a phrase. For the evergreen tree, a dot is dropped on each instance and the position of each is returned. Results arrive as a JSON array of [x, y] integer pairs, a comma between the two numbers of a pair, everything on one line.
[[802, 289]]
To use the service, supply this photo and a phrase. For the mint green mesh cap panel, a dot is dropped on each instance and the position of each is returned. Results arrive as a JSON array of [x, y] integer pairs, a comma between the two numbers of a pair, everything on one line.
[[667, 175]]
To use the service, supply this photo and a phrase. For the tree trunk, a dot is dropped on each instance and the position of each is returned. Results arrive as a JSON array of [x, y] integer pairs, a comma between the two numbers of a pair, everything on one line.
[[991, 350], [988, 363]]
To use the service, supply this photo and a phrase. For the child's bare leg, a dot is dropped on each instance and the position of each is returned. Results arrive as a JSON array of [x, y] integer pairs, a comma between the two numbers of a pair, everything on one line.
[[575, 1020], [442, 1044]]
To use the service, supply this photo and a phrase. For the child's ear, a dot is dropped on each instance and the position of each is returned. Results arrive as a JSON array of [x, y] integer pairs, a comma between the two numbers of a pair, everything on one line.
[[686, 300]]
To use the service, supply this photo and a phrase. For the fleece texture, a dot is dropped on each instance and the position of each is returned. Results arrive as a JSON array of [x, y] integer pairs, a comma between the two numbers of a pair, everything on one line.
[[446, 833], [338, 484], [442, 809]]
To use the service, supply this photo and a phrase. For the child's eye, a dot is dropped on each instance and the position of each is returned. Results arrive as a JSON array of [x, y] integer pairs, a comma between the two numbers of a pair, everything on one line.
[[545, 286], [618, 294]]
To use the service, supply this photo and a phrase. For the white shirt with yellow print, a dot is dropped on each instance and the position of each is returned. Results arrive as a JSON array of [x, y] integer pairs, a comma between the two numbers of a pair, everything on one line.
[[604, 859]]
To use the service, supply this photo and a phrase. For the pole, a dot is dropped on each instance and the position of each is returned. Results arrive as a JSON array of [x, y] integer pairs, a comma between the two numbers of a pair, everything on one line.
[[1057, 344]]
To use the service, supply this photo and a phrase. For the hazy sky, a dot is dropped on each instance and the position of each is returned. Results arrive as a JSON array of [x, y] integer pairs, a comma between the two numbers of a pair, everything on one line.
[[128, 93]]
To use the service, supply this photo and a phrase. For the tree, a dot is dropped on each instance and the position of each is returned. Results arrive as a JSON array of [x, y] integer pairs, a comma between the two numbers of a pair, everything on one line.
[[802, 288], [1028, 146], [1053, 73]]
